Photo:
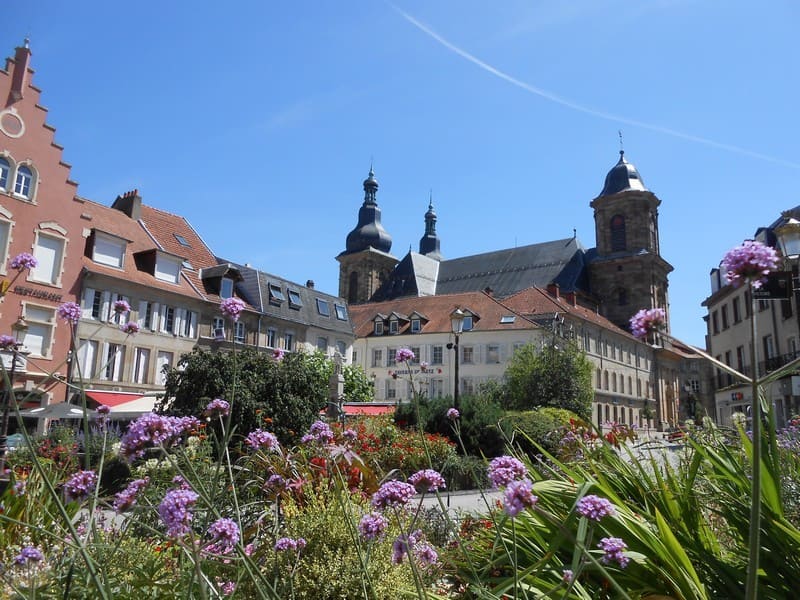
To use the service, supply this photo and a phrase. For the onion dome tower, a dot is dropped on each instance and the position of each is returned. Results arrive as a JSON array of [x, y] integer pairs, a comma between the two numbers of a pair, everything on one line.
[[429, 244]]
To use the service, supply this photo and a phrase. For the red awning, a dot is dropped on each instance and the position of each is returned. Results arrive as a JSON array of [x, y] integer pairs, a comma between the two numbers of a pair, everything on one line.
[[123, 402], [353, 409]]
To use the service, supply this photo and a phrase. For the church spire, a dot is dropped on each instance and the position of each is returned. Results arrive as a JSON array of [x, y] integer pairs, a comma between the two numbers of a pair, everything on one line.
[[429, 244], [369, 233]]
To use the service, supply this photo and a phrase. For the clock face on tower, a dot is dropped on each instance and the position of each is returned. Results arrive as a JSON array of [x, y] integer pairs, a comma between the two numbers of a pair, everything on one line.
[[11, 124]]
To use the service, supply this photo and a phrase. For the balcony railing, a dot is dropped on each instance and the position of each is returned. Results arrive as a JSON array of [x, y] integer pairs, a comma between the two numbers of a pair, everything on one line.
[[776, 362]]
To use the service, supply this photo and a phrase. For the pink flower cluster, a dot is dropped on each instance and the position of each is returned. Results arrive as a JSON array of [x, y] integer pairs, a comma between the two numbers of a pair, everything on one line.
[[258, 439], [7, 342], [594, 507], [648, 321], [404, 355], [122, 307], [278, 354], [23, 261], [752, 261], [130, 328], [70, 312], [320, 432], [421, 549], [176, 511], [231, 307], [151, 430], [80, 486]]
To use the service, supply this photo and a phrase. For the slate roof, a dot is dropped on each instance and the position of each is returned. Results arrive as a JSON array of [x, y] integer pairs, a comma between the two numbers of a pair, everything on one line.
[[415, 275], [437, 310], [110, 220], [509, 271]]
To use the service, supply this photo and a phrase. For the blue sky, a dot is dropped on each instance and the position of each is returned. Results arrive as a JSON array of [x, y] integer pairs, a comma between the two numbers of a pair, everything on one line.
[[258, 120]]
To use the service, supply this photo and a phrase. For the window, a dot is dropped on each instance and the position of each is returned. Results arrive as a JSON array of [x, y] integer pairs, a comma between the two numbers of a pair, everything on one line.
[[715, 322], [769, 347], [226, 288], [467, 355], [737, 314], [436, 357], [218, 329], [5, 169], [417, 356], [141, 364], [168, 268], [189, 324], [747, 304], [694, 384], [415, 325], [492, 354], [630, 386], [49, 251], [605, 380], [618, 242], [393, 326], [276, 294], [323, 308], [39, 337], [437, 388], [87, 355], [272, 337], [786, 309], [108, 250], [148, 315], [168, 319], [23, 182], [599, 379], [288, 341], [391, 392], [341, 311], [322, 344], [724, 316], [294, 299], [791, 344], [182, 240], [613, 382], [379, 327], [239, 332], [113, 316], [377, 358], [391, 356], [5, 238], [638, 387], [96, 303], [112, 360], [355, 357], [622, 297], [740, 359], [468, 324], [163, 361], [507, 319], [341, 348], [467, 386]]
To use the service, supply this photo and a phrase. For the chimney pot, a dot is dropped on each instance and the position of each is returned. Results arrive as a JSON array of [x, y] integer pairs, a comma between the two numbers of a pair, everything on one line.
[[310, 284]]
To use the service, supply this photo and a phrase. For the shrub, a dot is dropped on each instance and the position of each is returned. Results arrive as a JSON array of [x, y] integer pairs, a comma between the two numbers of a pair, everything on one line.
[[543, 426]]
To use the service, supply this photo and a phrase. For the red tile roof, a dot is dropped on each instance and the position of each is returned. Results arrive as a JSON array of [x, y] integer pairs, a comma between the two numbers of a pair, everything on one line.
[[437, 310]]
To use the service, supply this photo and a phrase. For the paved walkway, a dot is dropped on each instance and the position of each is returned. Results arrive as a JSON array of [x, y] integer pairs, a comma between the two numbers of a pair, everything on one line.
[[468, 501]]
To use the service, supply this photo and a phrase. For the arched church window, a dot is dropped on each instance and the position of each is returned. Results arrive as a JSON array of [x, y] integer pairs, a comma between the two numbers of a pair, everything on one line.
[[5, 169], [618, 233], [352, 290], [23, 182]]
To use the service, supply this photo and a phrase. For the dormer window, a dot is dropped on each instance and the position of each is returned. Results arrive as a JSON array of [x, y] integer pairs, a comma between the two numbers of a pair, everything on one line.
[[108, 250], [323, 308], [393, 326], [276, 294], [294, 299], [378, 327], [341, 311], [168, 268], [226, 288], [468, 323], [416, 325]]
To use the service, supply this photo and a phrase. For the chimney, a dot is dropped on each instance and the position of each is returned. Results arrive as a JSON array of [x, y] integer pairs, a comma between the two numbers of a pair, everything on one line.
[[19, 79], [553, 290], [571, 299], [130, 203], [488, 291], [310, 284]]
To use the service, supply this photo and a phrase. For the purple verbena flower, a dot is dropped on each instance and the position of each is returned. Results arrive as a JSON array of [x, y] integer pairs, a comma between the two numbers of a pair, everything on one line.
[[7, 342], [518, 496], [393, 494], [176, 511], [231, 307], [226, 588], [319, 432], [80, 486], [151, 430], [130, 328], [121, 307], [648, 321], [567, 576], [403, 544], [29, 554], [752, 261], [217, 408], [350, 435], [274, 484], [505, 469], [426, 554], [594, 507], [614, 549], [70, 312], [404, 355], [427, 480], [23, 261], [103, 409], [373, 526], [258, 439], [286, 543], [453, 414], [224, 535], [126, 499]]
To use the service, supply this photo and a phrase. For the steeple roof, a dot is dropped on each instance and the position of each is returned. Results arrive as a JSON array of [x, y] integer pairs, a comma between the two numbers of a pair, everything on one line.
[[429, 243], [369, 233], [622, 177]]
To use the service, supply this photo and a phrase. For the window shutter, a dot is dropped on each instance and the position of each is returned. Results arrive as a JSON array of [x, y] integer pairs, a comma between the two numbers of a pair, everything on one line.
[[192, 324], [88, 300], [163, 320], [177, 328], [105, 305], [142, 313], [155, 317], [104, 361]]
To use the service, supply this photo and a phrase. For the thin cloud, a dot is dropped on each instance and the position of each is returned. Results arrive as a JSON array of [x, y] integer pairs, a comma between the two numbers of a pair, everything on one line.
[[547, 95]]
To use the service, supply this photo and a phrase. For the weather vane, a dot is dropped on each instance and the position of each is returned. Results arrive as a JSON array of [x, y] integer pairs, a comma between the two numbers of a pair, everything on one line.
[[621, 147]]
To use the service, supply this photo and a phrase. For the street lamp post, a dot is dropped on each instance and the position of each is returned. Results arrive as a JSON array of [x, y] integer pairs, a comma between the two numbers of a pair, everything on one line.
[[788, 235], [20, 329], [456, 326]]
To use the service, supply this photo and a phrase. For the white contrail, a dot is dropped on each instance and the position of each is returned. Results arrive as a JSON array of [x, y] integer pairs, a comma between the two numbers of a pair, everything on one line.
[[585, 109]]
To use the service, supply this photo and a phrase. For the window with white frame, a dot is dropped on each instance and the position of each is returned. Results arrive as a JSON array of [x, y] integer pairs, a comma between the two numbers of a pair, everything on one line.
[[272, 337], [417, 355], [393, 326], [168, 319], [377, 357], [323, 307], [437, 388], [288, 341], [23, 184], [108, 250], [416, 325], [141, 364], [391, 390], [378, 327], [391, 357], [148, 315], [322, 344], [341, 348], [355, 357], [87, 358], [437, 355], [341, 311], [188, 324], [41, 322], [218, 329], [276, 294], [467, 354], [5, 171], [467, 386], [492, 354], [94, 303], [294, 299], [49, 252], [468, 323], [226, 288], [163, 360], [112, 360], [239, 332], [5, 238], [168, 268]]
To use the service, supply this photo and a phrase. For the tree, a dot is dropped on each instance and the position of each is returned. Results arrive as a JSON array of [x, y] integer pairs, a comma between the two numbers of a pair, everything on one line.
[[283, 396], [558, 375], [357, 386]]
